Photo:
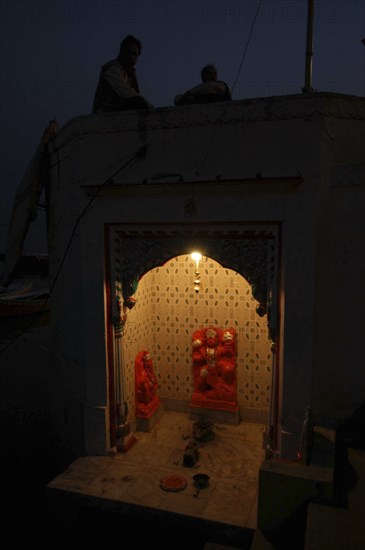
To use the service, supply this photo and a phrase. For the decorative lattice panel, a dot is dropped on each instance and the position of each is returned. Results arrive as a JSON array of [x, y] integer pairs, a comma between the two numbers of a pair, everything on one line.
[[167, 313]]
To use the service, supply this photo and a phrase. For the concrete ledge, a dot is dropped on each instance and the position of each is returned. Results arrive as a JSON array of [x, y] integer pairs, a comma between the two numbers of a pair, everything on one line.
[[285, 486], [330, 528]]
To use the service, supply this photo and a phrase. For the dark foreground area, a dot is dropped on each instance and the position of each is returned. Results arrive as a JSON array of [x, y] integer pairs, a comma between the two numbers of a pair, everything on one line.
[[29, 461], [30, 457]]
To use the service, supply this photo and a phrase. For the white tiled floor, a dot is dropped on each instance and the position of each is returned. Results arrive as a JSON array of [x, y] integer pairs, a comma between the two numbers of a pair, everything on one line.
[[232, 460]]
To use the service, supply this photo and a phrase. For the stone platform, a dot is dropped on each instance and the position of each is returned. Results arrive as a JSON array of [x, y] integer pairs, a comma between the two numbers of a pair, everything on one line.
[[129, 483]]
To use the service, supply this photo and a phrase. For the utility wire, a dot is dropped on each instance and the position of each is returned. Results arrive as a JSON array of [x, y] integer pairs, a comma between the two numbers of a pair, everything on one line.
[[140, 153], [246, 46], [232, 88]]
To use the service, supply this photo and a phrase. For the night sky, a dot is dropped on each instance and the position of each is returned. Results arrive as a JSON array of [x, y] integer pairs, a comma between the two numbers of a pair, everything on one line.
[[51, 53]]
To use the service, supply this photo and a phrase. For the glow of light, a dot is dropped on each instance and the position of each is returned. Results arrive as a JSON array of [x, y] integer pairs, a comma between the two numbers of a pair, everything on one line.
[[196, 256]]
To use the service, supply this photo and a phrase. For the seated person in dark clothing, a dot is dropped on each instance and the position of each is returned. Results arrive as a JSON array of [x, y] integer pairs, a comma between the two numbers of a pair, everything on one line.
[[117, 89], [210, 91]]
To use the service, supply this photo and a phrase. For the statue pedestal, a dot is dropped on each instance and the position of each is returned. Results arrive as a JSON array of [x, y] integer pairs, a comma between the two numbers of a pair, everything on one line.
[[145, 422]]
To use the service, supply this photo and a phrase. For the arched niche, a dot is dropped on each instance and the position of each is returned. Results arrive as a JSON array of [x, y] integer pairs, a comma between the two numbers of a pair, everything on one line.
[[251, 251], [167, 313]]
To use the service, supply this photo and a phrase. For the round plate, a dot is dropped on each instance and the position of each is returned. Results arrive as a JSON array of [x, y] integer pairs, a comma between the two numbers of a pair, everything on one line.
[[173, 483]]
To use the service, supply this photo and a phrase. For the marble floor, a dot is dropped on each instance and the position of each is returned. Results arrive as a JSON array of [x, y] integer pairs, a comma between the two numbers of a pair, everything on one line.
[[132, 479]]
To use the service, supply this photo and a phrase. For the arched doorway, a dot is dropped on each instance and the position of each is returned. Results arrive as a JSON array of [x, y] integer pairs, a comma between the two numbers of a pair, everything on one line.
[[239, 288]]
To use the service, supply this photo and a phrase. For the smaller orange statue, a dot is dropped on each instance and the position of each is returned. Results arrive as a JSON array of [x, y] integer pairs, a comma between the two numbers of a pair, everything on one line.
[[147, 402]]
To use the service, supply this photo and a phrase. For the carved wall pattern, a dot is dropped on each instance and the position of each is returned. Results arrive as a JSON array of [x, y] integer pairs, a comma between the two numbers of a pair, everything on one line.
[[167, 313], [251, 253]]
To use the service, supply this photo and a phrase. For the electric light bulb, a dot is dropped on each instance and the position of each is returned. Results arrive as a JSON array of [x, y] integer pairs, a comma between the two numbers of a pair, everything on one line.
[[196, 256]]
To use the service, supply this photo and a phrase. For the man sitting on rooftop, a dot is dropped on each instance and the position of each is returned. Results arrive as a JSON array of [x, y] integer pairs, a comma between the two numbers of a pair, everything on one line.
[[210, 91], [117, 89]]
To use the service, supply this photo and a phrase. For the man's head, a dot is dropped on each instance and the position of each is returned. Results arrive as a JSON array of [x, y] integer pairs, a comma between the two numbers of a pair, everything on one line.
[[130, 50], [209, 73]]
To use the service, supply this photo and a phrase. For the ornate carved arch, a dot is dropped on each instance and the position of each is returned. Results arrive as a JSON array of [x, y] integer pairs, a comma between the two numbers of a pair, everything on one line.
[[252, 252]]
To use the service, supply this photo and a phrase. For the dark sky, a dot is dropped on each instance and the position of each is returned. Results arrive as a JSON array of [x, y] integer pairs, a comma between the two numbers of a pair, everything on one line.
[[51, 53]]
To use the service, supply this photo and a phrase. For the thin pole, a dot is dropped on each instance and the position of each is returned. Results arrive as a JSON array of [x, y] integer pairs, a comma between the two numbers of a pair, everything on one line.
[[309, 52]]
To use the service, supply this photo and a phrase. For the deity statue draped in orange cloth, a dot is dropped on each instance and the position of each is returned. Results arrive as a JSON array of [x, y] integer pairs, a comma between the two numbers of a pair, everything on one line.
[[214, 368]]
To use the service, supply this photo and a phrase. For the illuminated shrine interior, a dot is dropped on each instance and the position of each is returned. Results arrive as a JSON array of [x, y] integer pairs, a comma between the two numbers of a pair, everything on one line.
[[169, 310]]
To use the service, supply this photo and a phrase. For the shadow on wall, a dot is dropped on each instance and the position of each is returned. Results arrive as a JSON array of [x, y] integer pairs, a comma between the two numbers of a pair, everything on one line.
[[292, 533], [352, 431], [351, 434]]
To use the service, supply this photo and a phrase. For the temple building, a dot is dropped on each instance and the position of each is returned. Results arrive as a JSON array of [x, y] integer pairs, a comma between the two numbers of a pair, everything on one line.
[[269, 192]]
